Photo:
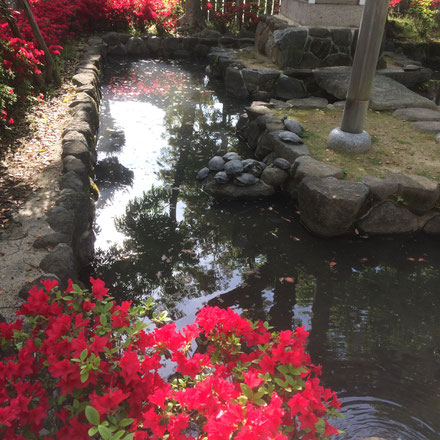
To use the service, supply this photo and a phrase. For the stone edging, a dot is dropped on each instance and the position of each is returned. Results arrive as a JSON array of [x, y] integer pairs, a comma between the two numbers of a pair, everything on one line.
[[329, 205], [70, 247]]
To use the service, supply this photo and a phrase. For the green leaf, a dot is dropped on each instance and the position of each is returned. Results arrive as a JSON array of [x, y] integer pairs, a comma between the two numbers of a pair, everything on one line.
[[281, 383], [108, 306], [129, 436], [83, 354], [247, 391], [103, 320], [320, 426], [92, 415], [93, 431], [126, 422], [118, 435], [106, 434], [84, 376], [260, 402], [283, 369]]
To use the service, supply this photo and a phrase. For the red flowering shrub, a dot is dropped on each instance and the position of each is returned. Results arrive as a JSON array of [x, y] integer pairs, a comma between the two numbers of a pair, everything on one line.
[[87, 367]]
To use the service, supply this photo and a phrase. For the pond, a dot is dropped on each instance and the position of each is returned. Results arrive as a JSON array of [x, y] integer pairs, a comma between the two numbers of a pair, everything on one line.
[[372, 306]]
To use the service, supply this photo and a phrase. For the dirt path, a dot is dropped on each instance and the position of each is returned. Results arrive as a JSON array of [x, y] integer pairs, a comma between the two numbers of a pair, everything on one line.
[[29, 176]]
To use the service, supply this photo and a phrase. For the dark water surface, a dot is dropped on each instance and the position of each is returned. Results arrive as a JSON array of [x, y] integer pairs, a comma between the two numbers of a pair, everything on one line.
[[372, 306]]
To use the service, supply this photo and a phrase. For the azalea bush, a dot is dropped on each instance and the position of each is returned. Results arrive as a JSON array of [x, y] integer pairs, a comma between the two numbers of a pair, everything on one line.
[[423, 15], [63, 20], [85, 367]]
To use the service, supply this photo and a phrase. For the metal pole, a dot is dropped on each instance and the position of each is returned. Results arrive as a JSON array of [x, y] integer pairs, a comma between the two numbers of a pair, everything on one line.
[[364, 65], [351, 137]]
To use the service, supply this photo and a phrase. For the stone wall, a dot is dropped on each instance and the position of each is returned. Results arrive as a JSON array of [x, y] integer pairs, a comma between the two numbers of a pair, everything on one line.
[[331, 205], [304, 47]]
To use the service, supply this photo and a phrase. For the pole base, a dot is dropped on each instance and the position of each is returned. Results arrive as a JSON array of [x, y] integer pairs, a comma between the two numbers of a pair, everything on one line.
[[351, 143]]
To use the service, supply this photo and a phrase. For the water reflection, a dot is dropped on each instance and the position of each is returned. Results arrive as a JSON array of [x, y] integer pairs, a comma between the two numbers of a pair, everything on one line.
[[372, 306]]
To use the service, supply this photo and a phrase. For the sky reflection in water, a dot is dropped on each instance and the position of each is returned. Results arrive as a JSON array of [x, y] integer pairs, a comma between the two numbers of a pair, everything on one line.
[[373, 316]]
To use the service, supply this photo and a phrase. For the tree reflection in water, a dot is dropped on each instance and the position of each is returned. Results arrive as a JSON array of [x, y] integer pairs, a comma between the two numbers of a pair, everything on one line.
[[373, 316]]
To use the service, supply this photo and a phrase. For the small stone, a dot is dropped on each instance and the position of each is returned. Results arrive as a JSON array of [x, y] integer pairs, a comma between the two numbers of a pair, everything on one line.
[[216, 164], [282, 163], [222, 177], [234, 167], [294, 126], [231, 156], [246, 179], [308, 103], [437, 138], [203, 173], [417, 114], [290, 137], [280, 105], [427, 126]]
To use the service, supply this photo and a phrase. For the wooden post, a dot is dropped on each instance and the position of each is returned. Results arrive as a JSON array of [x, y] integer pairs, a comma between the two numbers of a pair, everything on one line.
[[51, 71], [364, 65]]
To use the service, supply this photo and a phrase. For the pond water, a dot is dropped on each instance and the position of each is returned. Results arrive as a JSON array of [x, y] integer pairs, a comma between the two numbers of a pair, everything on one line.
[[372, 305]]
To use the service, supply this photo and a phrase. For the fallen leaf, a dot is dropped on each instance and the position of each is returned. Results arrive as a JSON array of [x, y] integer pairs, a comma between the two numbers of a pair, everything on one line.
[[250, 272], [411, 259], [332, 263], [421, 259], [364, 259], [289, 279], [188, 251]]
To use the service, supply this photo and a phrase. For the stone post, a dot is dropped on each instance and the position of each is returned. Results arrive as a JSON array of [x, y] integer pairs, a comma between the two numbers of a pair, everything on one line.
[[351, 137]]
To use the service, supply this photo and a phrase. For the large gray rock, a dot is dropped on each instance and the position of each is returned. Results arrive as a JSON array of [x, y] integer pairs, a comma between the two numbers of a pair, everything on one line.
[[60, 262], [274, 176], [388, 218], [288, 46], [386, 94], [136, 46], [289, 88], [417, 114], [329, 207], [432, 226], [234, 83], [307, 166], [264, 79], [427, 126], [409, 78], [270, 142], [61, 220], [290, 152], [380, 189], [418, 193], [230, 191]]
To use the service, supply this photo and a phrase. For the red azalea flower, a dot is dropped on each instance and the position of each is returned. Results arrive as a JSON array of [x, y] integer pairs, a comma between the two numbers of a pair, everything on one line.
[[98, 288]]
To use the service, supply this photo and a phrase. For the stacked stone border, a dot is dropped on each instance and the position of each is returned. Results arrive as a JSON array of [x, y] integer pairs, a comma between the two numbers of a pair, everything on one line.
[[329, 205], [71, 244]]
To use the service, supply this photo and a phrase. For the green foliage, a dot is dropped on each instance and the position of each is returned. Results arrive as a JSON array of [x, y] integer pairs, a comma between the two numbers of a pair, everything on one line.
[[424, 13]]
